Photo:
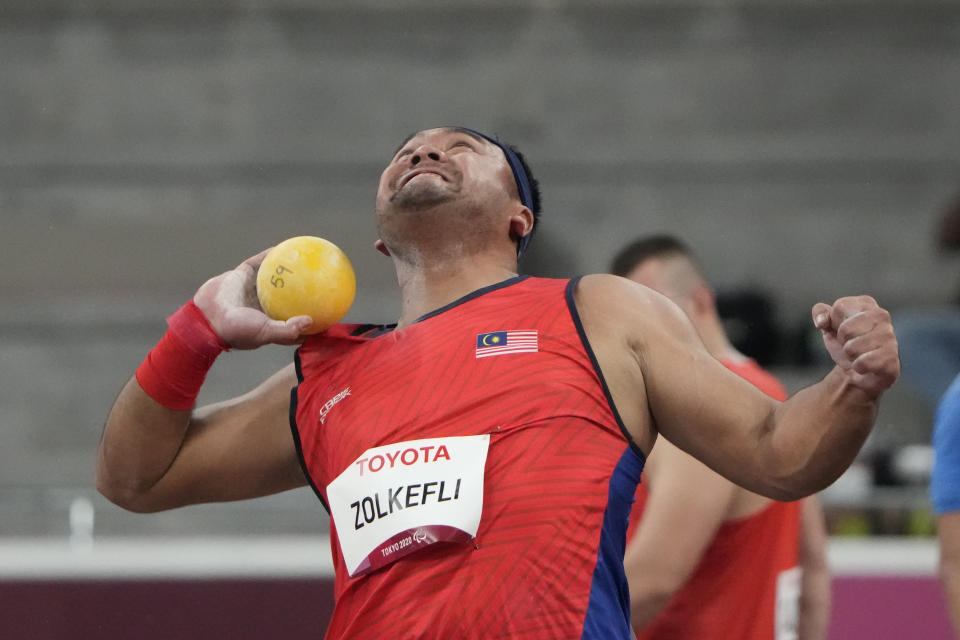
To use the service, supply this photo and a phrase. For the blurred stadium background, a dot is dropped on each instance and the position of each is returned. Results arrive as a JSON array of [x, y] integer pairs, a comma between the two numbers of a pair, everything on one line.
[[805, 149]]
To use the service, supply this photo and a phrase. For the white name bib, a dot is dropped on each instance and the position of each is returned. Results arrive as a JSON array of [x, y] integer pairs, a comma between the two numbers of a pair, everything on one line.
[[787, 613], [401, 497]]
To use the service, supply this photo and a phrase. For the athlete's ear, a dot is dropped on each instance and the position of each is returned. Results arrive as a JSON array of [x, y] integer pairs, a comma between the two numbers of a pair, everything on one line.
[[521, 223], [382, 248]]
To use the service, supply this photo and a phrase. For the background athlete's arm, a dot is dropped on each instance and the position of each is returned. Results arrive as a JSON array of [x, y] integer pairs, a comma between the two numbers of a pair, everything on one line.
[[815, 581], [152, 457], [663, 379], [686, 504], [948, 535]]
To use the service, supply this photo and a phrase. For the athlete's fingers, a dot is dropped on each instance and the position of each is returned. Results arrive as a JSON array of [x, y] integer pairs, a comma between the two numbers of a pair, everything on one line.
[[821, 316], [858, 313], [876, 371], [860, 345], [858, 324], [285, 332], [253, 262]]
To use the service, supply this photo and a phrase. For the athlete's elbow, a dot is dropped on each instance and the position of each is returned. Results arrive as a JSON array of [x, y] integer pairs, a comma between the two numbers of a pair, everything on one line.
[[795, 486], [125, 498], [781, 494], [646, 606], [125, 495], [650, 596], [787, 488], [789, 476]]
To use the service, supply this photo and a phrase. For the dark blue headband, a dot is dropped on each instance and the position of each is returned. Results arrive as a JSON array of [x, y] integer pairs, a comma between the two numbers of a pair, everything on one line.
[[521, 178]]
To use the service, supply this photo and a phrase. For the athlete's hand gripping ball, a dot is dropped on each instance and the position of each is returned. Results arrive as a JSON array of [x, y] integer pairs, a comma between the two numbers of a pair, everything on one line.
[[306, 276]]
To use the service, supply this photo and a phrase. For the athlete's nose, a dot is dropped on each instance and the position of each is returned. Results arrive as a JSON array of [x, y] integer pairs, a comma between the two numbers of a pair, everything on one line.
[[425, 151]]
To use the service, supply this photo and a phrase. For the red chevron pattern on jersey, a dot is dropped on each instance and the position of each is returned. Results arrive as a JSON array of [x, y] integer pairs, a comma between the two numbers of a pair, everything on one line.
[[555, 445]]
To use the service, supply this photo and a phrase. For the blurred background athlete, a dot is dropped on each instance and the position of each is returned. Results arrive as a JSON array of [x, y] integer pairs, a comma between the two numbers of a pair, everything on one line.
[[703, 554]]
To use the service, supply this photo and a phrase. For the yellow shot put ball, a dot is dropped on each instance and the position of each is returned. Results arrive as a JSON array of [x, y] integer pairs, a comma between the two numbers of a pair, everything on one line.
[[306, 276]]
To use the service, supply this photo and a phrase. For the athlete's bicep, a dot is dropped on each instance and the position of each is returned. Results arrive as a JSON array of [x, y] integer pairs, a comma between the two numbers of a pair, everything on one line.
[[234, 450], [663, 379], [700, 405]]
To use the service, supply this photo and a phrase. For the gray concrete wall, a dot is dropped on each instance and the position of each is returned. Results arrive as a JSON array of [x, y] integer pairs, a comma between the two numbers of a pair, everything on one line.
[[804, 148]]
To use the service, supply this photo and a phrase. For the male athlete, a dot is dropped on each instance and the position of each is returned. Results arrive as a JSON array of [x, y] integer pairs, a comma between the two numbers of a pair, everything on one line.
[[708, 554], [479, 458]]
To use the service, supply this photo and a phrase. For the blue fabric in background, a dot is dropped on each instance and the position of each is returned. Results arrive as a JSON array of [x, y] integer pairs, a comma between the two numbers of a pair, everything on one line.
[[945, 479]]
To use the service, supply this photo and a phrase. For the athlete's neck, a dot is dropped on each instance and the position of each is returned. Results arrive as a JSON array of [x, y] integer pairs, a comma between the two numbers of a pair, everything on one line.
[[423, 290]]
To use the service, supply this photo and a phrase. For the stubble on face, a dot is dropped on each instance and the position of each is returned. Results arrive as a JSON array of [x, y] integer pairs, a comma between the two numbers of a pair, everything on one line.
[[426, 192], [436, 230]]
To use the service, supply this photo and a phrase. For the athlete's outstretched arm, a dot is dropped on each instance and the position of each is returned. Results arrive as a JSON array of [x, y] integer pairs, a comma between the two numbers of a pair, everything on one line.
[[156, 454], [663, 380]]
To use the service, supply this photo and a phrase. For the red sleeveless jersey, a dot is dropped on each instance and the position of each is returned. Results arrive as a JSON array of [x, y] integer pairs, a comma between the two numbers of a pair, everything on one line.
[[749, 566], [510, 361]]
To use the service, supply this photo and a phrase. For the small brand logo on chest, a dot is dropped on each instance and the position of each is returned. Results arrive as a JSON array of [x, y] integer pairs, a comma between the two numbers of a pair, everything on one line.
[[331, 403]]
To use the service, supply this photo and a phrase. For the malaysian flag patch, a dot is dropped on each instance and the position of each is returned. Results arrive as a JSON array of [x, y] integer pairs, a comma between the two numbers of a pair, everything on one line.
[[499, 343]]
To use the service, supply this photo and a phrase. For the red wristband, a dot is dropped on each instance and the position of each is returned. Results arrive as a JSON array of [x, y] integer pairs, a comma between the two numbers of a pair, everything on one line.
[[174, 370]]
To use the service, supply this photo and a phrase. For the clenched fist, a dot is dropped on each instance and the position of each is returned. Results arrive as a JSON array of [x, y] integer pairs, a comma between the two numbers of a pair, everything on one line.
[[859, 336]]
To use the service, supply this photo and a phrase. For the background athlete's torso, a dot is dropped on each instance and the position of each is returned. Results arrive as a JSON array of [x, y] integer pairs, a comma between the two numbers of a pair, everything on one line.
[[733, 592]]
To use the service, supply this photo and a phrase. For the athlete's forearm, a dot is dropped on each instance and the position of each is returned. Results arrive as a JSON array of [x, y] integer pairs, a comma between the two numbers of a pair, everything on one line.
[[948, 536], [652, 576], [148, 422], [816, 434], [140, 440], [814, 616], [651, 584], [950, 578], [814, 603]]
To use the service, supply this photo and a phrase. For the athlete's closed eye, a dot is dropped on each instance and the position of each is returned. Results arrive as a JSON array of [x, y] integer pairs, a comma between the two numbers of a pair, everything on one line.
[[462, 143]]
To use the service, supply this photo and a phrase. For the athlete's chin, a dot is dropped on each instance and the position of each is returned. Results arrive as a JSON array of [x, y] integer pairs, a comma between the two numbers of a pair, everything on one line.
[[420, 197]]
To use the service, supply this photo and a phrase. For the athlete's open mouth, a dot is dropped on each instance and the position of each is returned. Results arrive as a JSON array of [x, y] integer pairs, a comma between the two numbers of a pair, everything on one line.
[[419, 172]]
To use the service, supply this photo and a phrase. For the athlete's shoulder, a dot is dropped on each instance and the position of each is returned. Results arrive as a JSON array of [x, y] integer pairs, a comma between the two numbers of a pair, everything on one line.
[[350, 331], [605, 288], [538, 283], [523, 290], [338, 338], [948, 408], [623, 301]]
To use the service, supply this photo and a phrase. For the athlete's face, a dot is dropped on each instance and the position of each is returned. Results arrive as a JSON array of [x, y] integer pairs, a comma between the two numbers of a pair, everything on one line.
[[439, 176], [440, 165]]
